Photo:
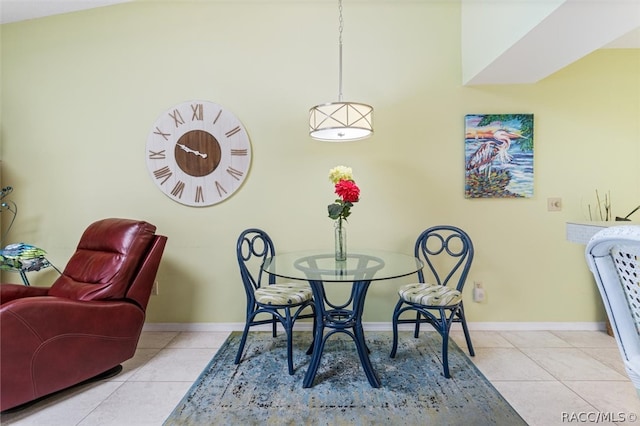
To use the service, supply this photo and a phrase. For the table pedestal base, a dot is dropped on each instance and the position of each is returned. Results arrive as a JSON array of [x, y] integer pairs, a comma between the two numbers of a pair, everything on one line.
[[340, 320]]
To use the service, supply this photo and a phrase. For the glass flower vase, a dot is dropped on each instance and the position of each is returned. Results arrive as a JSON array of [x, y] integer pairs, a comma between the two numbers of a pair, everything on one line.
[[340, 240]]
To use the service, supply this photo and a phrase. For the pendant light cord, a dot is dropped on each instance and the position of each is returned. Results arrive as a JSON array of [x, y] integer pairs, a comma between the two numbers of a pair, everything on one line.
[[340, 26]]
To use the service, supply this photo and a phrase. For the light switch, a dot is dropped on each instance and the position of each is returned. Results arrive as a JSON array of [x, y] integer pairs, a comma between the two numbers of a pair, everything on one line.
[[554, 204]]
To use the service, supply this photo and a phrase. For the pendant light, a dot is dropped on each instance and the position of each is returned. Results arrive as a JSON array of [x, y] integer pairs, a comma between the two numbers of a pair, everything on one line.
[[340, 121]]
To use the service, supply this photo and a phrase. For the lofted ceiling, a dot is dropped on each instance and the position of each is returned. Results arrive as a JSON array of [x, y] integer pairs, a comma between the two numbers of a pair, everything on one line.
[[21, 10], [509, 67], [525, 41]]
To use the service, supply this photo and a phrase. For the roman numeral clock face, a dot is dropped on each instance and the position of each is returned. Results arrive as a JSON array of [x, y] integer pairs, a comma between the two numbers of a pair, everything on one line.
[[198, 153]]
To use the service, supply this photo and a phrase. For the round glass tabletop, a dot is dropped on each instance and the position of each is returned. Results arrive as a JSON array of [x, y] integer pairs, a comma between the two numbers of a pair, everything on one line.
[[360, 265]]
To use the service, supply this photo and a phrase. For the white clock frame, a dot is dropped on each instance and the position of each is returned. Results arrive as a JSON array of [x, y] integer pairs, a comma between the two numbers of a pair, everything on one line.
[[187, 134]]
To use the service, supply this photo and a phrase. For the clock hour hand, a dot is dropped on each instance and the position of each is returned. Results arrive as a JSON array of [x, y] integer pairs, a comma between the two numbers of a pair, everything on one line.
[[192, 151]]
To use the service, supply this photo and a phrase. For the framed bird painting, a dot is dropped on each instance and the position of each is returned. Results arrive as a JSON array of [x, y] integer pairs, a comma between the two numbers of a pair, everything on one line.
[[498, 156]]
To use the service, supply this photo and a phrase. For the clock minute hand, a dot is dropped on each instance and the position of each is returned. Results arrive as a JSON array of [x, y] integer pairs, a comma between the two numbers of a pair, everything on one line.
[[192, 151]]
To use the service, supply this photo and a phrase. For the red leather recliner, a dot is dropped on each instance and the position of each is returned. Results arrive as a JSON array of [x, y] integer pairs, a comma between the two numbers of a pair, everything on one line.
[[87, 322]]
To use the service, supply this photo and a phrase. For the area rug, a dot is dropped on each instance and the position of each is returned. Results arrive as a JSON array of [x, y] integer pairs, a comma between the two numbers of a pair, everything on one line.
[[259, 391]]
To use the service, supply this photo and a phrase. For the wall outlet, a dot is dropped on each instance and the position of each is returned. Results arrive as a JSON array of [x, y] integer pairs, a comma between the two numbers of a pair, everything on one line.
[[478, 292], [154, 289]]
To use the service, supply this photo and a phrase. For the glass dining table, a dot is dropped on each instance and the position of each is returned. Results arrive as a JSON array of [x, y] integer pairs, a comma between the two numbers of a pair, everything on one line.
[[359, 269]]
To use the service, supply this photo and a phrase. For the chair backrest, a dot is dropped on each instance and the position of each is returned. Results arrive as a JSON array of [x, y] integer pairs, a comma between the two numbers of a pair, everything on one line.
[[253, 248], [142, 284], [108, 257], [448, 252], [613, 256]]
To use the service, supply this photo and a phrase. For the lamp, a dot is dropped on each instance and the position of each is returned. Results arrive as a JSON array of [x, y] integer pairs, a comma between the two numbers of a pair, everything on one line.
[[9, 206], [340, 121], [626, 218]]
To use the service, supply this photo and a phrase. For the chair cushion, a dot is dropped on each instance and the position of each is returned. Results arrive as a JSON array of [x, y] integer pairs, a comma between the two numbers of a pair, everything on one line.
[[429, 294], [284, 294]]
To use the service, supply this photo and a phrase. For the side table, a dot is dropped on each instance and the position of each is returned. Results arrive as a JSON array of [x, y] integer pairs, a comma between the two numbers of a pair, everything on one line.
[[23, 258]]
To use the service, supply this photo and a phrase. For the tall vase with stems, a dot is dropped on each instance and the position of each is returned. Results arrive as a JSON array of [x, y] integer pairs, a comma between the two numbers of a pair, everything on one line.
[[340, 239]]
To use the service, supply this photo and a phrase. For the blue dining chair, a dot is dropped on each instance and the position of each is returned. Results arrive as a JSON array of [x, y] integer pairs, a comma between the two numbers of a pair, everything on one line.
[[282, 302], [448, 252]]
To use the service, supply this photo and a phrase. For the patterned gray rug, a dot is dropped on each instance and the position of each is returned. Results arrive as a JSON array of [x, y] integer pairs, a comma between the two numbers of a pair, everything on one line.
[[414, 391]]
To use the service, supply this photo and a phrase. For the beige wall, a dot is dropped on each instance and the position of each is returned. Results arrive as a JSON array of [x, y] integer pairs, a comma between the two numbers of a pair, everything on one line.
[[81, 91]]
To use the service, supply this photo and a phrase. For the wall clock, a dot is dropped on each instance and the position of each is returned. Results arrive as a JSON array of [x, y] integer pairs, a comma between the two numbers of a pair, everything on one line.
[[198, 153]]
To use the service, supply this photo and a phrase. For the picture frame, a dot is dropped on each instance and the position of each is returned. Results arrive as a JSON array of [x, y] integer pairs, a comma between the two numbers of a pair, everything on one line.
[[499, 156]]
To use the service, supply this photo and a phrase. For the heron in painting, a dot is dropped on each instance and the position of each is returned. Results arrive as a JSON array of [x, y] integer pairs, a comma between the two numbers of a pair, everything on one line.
[[496, 148]]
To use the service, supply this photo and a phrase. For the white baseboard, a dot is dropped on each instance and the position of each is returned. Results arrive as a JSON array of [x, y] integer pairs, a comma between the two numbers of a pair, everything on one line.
[[386, 326]]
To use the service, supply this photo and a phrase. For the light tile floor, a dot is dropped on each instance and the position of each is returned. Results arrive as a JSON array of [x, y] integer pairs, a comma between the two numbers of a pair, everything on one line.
[[549, 377]]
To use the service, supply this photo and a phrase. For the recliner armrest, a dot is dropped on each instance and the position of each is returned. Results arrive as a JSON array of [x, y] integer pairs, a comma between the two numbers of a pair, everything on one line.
[[50, 343], [9, 292], [49, 317]]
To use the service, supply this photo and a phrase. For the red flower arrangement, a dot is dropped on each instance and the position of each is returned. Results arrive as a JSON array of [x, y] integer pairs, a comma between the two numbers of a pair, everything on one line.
[[346, 189]]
